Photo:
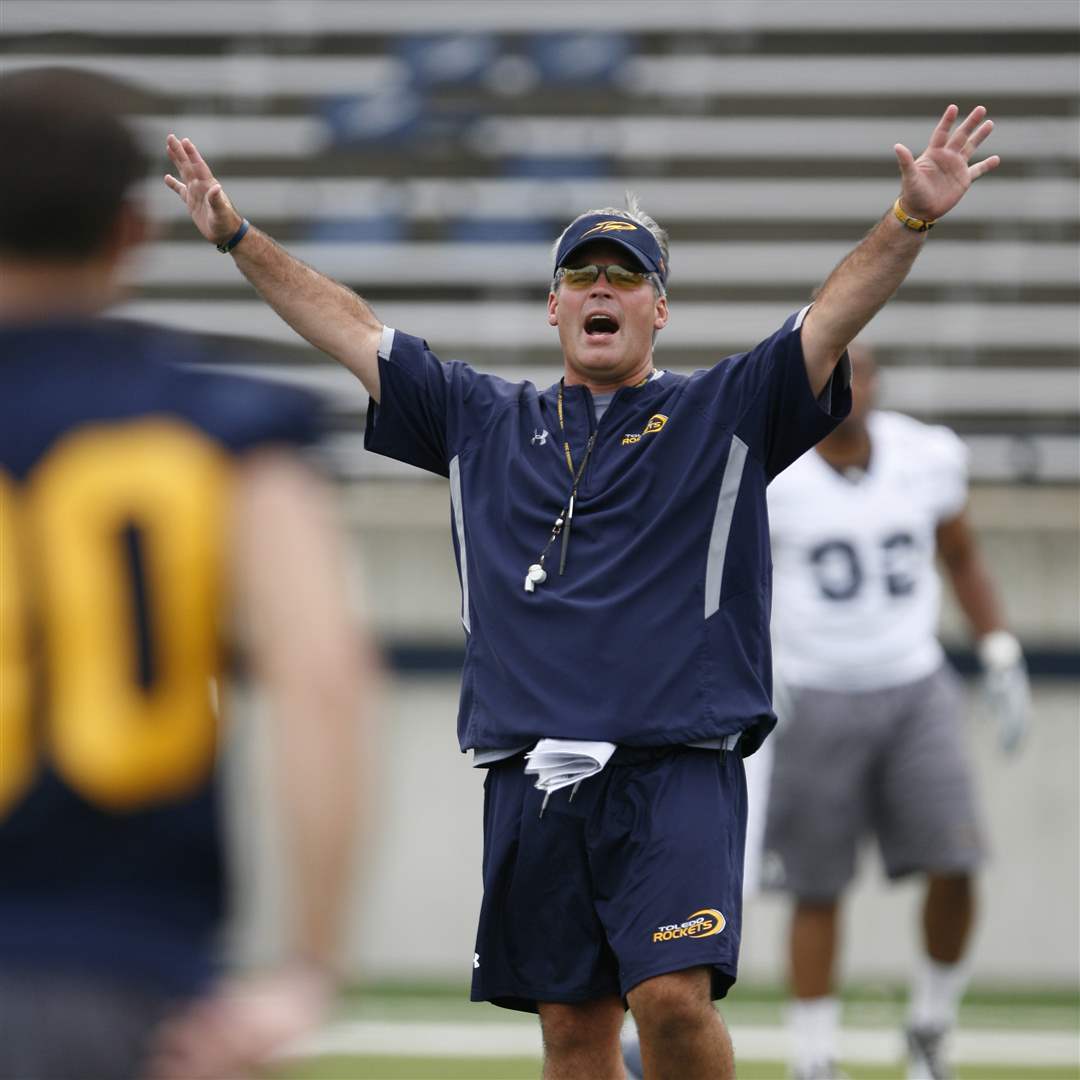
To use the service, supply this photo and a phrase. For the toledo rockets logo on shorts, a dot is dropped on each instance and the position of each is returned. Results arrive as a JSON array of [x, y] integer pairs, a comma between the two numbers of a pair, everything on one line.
[[703, 923]]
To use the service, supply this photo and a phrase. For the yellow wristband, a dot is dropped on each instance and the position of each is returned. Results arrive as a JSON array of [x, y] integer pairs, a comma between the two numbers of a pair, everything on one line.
[[913, 223]]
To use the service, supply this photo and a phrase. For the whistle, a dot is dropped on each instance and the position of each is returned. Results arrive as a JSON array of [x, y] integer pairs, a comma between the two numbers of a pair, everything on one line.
[[537, 575]]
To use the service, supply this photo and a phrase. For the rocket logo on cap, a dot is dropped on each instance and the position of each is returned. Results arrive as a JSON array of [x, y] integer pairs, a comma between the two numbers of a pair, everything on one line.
[[611, 226], [632, 236]]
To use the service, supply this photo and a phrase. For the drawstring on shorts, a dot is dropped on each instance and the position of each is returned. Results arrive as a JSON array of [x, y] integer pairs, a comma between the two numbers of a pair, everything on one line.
[[547, 795]]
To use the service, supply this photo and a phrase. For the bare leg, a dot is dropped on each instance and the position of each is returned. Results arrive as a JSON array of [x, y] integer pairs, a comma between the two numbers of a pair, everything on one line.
[[940, 980], [582, 1040], [813, 948], [814, 1015], [948, 916], [682, 1034]]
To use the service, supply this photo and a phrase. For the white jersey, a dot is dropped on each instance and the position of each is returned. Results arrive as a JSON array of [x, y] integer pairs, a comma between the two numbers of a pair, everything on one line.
[[856, 594]]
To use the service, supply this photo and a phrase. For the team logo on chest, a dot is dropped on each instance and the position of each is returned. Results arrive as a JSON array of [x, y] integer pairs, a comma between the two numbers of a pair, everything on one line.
[[656, 424]]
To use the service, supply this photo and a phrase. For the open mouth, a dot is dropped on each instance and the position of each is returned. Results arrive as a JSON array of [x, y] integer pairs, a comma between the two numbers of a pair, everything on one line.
[[597, 325]]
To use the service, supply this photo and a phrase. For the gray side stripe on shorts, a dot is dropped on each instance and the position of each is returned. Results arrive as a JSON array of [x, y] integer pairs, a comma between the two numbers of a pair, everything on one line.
[[721, 528], [459, 524]]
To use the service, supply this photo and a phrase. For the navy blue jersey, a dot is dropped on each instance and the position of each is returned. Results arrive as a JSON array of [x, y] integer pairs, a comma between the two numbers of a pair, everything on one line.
[[658, 632], [115, 471]]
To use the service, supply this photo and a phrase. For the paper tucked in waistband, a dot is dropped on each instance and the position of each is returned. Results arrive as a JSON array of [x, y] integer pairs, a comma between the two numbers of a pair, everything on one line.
[[558, 763]]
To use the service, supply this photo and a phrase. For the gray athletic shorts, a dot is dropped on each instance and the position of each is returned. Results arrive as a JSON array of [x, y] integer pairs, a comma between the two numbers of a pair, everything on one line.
[[69, 1027], [889, 762]]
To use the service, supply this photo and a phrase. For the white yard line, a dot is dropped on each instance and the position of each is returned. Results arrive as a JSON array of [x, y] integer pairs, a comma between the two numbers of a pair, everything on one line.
[[872, 1046]]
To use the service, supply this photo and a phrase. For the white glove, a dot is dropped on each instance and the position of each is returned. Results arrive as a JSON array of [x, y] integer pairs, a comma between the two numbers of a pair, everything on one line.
[[1005, 686]]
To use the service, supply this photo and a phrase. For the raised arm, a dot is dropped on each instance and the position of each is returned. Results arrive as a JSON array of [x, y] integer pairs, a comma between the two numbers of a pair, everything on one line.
[[930, 186], [326, 313], [1005, 680]]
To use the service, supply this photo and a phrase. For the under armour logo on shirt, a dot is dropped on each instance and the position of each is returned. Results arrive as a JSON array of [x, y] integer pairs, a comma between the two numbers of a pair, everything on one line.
[[476, 955], [539, 437]]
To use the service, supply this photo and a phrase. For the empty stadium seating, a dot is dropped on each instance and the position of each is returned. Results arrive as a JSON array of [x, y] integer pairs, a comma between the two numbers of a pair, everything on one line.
[[426, 154]]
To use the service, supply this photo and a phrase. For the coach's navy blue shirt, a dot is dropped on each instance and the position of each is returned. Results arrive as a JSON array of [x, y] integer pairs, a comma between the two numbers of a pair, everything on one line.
[[658, 632]]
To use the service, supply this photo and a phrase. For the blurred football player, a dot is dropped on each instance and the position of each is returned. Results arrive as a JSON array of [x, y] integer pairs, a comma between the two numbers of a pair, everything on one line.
[[871, 717], [144, 506]]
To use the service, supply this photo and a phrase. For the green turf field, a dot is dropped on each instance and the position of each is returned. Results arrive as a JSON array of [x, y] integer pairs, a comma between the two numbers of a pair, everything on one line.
[[405, 1068], [420, 1012], [864, 1005]]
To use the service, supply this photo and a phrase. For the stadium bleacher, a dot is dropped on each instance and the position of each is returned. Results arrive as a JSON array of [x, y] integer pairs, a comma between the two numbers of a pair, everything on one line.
[[389, 144]]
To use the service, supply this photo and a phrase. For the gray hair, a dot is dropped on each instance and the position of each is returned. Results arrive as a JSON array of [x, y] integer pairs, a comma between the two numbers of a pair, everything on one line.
[[632, 212]]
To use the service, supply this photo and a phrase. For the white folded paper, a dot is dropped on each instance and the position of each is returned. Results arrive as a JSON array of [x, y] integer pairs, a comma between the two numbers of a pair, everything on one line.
[[558, 763]]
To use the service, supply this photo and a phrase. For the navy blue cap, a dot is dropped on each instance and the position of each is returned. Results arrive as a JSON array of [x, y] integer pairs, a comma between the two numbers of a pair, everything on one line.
[[622, 231]]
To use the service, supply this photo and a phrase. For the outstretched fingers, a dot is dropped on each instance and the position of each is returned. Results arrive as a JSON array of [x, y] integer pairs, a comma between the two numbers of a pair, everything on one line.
[[187, 159], [175, 150], [904, 158], [940, 134], [174, 185], [981, 168], [190, 149], [964, 133], [980, 133], [193, 154]]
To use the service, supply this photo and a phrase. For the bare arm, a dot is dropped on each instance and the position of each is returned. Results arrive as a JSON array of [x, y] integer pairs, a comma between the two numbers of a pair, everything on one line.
[[317, 671], [930, 186], [1005, 680], [326, 313], [316, 667], [969, 576]]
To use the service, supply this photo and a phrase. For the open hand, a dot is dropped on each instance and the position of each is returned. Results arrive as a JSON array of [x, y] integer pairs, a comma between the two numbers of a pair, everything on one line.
[[934, 182], [239, 1027], [1008, 699], [214, 216], [1006, 687]]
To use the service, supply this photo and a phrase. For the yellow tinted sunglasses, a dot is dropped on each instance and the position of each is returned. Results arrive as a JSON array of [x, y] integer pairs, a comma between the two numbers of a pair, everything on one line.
[[581, 277]]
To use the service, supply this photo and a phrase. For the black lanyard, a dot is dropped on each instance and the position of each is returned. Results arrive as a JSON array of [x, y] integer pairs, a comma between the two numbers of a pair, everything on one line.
[[566, 441], [566, 514], [537, 572]]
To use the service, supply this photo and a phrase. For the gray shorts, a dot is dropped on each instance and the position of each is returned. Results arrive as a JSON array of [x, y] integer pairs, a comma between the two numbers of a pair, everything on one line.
[[889, 762], [62, 1026]]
